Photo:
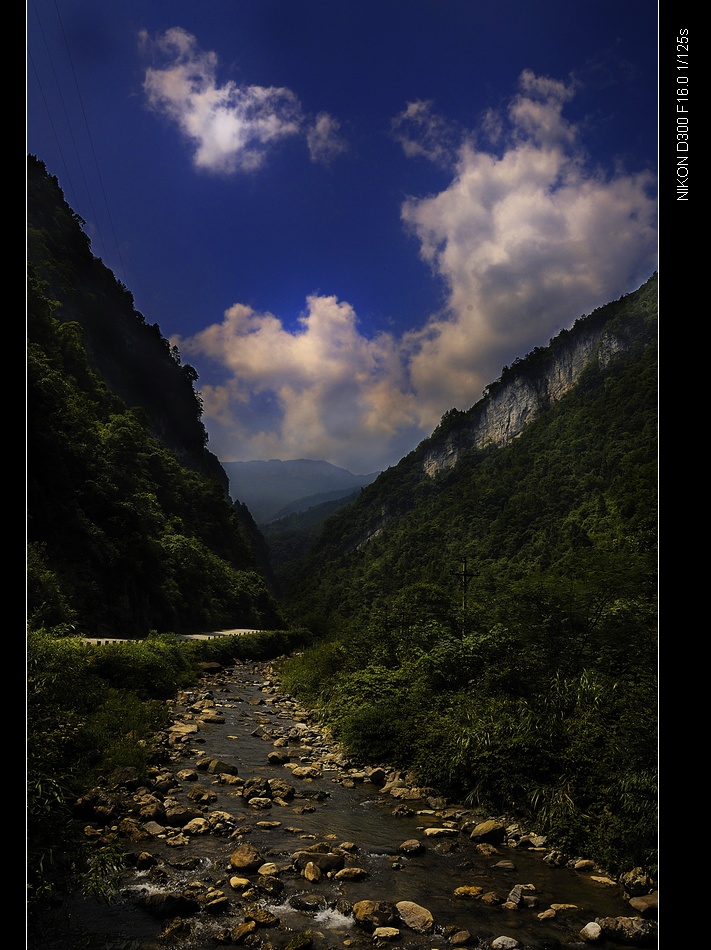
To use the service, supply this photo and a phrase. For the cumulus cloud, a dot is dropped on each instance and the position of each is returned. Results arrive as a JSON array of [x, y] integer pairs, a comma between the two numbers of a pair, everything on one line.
[[527, 237], [231, 128], [324, 391]]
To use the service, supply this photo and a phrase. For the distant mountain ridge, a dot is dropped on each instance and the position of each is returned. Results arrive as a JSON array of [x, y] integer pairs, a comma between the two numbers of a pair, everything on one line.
[[273, 488]]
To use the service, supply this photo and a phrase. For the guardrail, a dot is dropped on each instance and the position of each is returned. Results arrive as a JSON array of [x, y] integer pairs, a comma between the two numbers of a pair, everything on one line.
[[236, 632]]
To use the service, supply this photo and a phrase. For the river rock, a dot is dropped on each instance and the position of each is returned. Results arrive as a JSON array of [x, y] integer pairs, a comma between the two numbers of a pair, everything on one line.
[[377, 776], [591, 932], [277, 758], [178, 815], [305, 771], [220, 820], [165, 905], [153, 829], [351, 874], [460, 938], [256, 787], [178, 840], [174, 930], [491, 832], [269, 884], [371, 914], [326, 863], [260, 915], [151, 808], [202, 796], [246, 858], [386, 933], [646, 906], [311, 903], [281, 790], [636, 883], [411, 846], [468, 891], [415, 917], [188, 775], [240, 933], [259, 803], [311, 872], [632, 931], [97, 805], [180, 730], [218, 767], [240, 883]]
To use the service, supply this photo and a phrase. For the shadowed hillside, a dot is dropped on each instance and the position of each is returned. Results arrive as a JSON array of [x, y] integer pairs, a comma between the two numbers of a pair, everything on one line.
[[130, 527]]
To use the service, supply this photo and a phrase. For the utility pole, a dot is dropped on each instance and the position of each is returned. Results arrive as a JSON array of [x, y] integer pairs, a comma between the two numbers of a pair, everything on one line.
[[465, 576]]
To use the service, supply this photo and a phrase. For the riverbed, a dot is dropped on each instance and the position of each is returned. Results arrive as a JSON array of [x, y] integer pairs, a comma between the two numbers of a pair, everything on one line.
[[334, 804]]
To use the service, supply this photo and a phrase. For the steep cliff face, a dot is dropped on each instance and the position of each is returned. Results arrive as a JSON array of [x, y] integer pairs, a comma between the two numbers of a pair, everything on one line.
[[531, 386], [132, 356]]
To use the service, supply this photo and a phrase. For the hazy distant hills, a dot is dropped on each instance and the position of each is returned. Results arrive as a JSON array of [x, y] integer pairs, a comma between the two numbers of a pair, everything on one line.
[[275, 488]]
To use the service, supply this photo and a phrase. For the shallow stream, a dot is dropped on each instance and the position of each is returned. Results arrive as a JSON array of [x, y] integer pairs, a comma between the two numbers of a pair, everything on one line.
[[336, 807]]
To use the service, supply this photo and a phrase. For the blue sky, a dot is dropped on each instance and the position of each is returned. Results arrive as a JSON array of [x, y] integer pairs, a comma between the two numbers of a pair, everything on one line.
[[349, 216]]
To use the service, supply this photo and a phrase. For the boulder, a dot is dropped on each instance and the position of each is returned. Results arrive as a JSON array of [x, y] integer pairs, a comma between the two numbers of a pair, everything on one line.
[[646, 905], [490, 831], [411, 846], [326, 863], [632, 931], [386, 933], [591, 933], [372, 914], [246, 858], [415, 917]]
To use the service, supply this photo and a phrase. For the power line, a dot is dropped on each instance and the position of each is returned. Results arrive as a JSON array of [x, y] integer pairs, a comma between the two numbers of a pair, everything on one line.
[[75, 203]]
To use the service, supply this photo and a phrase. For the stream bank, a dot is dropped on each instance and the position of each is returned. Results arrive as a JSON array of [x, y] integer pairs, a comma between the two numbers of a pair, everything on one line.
[[256, 830]]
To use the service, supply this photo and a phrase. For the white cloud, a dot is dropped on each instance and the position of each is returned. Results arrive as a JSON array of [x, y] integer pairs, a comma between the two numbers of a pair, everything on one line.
[[324, 391], [231, 127], [424, 134], [527, 237], [324, 139]]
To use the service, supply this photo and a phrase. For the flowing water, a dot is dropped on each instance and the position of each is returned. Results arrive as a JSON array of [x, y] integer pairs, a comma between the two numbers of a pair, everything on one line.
[[337, 807]]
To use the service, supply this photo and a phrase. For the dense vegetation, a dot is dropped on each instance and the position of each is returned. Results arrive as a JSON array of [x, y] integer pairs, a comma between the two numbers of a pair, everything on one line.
[[128, 531], [92, 711], [494, 627]]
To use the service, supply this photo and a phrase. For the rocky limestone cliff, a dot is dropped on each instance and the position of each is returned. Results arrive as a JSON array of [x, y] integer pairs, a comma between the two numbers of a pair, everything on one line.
[[511, 404]]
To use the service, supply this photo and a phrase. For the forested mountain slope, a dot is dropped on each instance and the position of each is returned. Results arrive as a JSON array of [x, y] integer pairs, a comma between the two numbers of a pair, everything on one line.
[[130, 355], [487, 608], [573, 484], [130, 527]]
